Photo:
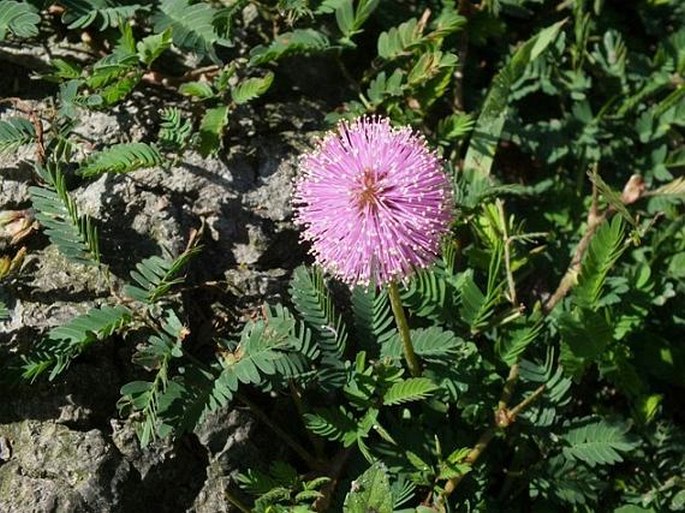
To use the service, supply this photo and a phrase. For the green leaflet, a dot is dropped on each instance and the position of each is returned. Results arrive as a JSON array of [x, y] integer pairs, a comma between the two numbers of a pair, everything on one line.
[[153, 398], [598, 442], [490, 123], [333, 424], [605, 249], [408, 390], [370, 492], [15, 132], [275, 346], [314, 302], [251, 88], [81, 14], [121, 158], [514, 343], [201, 90], [431, 343], [19, 19], [289, 43], [212, 129], [155, 276], [373, 320], [64, 343], [151, 47], [192, 25], [74, 234], [175, 130]]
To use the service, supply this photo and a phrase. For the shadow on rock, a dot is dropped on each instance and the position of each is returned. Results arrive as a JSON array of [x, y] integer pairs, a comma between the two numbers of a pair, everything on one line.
[[172, 483]]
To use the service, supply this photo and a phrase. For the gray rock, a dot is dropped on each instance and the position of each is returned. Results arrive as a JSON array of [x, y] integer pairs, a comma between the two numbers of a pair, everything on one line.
[[167, 476], [55, 470], [14, 188], [48, 271], [62, 459], [229, 437], [213, 496], [97, 128]]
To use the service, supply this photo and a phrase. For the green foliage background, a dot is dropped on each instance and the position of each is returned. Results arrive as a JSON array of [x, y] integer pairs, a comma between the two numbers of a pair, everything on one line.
[[549, 331]]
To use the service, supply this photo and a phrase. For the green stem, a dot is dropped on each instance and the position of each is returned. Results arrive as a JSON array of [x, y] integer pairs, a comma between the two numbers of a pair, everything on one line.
[[235, 501], [403, 327], [279, 432]]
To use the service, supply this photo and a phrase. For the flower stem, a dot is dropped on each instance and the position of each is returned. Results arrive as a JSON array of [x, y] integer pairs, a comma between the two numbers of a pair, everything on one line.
[[403, 327]]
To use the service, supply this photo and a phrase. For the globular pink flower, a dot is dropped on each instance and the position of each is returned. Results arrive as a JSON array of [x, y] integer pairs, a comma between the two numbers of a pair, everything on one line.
[[373, 200]]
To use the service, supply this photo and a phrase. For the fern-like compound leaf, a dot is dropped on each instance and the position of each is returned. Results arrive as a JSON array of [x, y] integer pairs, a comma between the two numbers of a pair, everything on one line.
[[270, 351], [512, 345], [598, 441], [397, 40], [18, 18], [121, 158], [432, 343], [111, 69], [212, 128], [430, 293], [152, 46], [75, 235], [174, 130], [191, 24], [314, 302], [408, 390], [84, 13], [64, 343], [251, 88], [154, 398], [557, 386], [15, 132], [333, 424], [373, 320], [477, 307], [605, 249], [289, 43], [155, 276]]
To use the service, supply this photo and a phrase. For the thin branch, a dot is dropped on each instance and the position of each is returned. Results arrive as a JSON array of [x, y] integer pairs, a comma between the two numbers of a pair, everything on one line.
[[509, 385], [504, 418], [278, 431], [516, 410], [632, 191], [507, 253], [594, 220], [337, 465], [235, 501], [156, 78], [296, 395]]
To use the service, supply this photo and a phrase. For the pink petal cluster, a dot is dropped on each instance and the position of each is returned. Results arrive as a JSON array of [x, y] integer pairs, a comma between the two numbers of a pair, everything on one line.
[[373, 200]]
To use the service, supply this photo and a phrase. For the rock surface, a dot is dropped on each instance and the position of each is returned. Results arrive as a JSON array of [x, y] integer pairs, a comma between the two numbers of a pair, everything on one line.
[[63, 446], [53, 468]]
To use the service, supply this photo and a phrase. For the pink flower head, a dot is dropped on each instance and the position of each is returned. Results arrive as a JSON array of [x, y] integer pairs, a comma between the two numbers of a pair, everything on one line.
[[373, 200]]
